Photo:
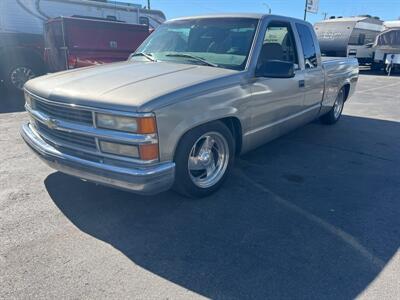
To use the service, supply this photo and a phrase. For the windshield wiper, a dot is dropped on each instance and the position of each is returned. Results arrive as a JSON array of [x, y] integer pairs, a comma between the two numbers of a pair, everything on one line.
[[147, 55], [192, 57]]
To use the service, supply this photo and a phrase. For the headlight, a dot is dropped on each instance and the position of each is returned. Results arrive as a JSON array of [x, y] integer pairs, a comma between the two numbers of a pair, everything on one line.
[[144, 125], [119, 149], [116, 122], [144, 152]]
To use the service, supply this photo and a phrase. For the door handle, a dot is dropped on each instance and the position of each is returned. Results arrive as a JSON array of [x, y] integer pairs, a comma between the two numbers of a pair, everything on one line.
[[302, 83]]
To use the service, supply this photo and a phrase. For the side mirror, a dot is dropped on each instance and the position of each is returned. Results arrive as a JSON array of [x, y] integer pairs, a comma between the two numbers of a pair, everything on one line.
[[275, 69]]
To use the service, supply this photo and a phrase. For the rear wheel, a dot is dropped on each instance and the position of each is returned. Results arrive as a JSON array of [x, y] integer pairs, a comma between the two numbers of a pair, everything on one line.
[[203, 159], [336, 112]]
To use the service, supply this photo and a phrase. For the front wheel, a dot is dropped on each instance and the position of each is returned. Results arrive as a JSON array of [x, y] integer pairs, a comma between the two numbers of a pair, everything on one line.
[[203, 159], [335, 113]]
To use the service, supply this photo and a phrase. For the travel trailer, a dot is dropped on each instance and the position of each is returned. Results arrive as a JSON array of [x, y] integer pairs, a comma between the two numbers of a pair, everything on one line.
[[391, 24], [352, 36], [387, 50], [22, 23]]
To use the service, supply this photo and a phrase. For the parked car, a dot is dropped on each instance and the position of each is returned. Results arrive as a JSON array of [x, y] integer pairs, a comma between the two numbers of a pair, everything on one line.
[[196, 93], [21, 30], [80, 42], [349, 37]]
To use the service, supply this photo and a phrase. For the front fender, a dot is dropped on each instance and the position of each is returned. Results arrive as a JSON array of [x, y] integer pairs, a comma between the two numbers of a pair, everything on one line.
[[176, 120]]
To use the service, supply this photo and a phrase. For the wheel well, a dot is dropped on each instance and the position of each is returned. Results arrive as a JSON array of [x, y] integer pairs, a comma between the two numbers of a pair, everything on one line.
[[346, 88], [235, 127]]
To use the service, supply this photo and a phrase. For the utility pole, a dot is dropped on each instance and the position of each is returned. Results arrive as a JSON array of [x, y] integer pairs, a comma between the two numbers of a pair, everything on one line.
[[305, 10], [148, 4]]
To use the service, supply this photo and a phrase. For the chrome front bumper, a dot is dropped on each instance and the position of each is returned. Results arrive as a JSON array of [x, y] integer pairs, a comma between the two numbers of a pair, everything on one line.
[[142, 180]]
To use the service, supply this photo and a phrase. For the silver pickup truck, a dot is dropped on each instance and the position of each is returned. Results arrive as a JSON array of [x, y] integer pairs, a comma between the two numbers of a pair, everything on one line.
[[198, 92]]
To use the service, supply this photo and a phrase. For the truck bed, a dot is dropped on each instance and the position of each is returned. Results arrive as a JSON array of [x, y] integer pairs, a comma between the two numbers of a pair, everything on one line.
[[327, 59]]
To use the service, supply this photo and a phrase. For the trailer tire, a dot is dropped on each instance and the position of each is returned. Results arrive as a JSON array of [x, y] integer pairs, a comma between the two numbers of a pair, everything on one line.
[[17, 72]]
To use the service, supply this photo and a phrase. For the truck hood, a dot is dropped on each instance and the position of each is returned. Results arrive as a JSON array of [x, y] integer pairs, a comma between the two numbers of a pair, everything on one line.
[[121, 86]]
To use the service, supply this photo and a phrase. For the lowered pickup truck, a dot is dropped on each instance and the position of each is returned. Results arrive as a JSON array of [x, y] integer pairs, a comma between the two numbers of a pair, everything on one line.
[[196, 93]]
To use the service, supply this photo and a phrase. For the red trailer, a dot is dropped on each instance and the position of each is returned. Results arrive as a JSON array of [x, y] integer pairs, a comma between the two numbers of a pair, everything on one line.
[[74, 42], [21, 30]]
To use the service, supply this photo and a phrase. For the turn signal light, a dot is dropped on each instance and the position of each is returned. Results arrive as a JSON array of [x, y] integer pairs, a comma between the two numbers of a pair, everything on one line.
[[146, 125], [148, 151]]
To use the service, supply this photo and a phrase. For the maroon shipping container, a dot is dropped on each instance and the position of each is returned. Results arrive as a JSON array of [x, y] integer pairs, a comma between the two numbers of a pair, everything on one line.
[[72, 42]]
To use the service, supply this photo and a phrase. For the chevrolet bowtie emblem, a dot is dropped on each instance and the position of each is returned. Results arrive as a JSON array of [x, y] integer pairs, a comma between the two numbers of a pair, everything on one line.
[[51, 123]]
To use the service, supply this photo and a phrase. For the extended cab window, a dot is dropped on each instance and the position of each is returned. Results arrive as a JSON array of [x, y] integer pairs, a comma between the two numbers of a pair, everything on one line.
[[279, 44], [308, 46]]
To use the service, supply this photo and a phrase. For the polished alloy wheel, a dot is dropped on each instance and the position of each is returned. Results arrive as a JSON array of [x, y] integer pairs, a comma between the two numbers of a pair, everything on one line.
[[20, 75], [208, 159], [338, 106]]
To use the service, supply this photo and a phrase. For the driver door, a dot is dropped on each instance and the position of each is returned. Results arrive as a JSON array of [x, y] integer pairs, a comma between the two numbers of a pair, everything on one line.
[[277, 102]]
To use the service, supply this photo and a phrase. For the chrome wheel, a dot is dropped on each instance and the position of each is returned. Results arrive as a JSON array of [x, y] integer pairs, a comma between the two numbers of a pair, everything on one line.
[[208, 159], [338, 106], [20, 75]]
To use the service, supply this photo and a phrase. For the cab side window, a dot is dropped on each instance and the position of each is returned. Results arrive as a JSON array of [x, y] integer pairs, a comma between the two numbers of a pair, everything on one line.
[[307, 44], [279, 44]]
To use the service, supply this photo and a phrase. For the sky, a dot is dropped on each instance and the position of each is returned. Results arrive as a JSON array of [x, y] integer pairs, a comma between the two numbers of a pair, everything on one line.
[[385, 9]]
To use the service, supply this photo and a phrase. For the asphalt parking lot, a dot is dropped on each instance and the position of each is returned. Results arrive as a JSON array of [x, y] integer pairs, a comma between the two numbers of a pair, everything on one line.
[[312, 215]]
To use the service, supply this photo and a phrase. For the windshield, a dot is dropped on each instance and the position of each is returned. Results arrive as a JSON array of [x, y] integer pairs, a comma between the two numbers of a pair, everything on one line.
[[218, 42]]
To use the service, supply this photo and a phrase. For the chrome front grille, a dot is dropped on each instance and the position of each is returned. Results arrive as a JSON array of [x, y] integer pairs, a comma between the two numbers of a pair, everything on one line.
[[66, 138], [63, 113], [71, 129]]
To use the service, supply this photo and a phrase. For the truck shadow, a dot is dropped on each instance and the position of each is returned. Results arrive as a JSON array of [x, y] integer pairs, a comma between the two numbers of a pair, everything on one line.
[[311, 215]]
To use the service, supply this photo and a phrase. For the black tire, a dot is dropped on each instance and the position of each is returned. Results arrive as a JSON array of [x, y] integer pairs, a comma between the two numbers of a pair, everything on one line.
[[15, 69], [333, 115], [184, 184]]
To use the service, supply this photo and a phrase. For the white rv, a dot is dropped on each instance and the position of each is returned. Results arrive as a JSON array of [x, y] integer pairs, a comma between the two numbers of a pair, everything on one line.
[[391, 24], [350, 36]]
